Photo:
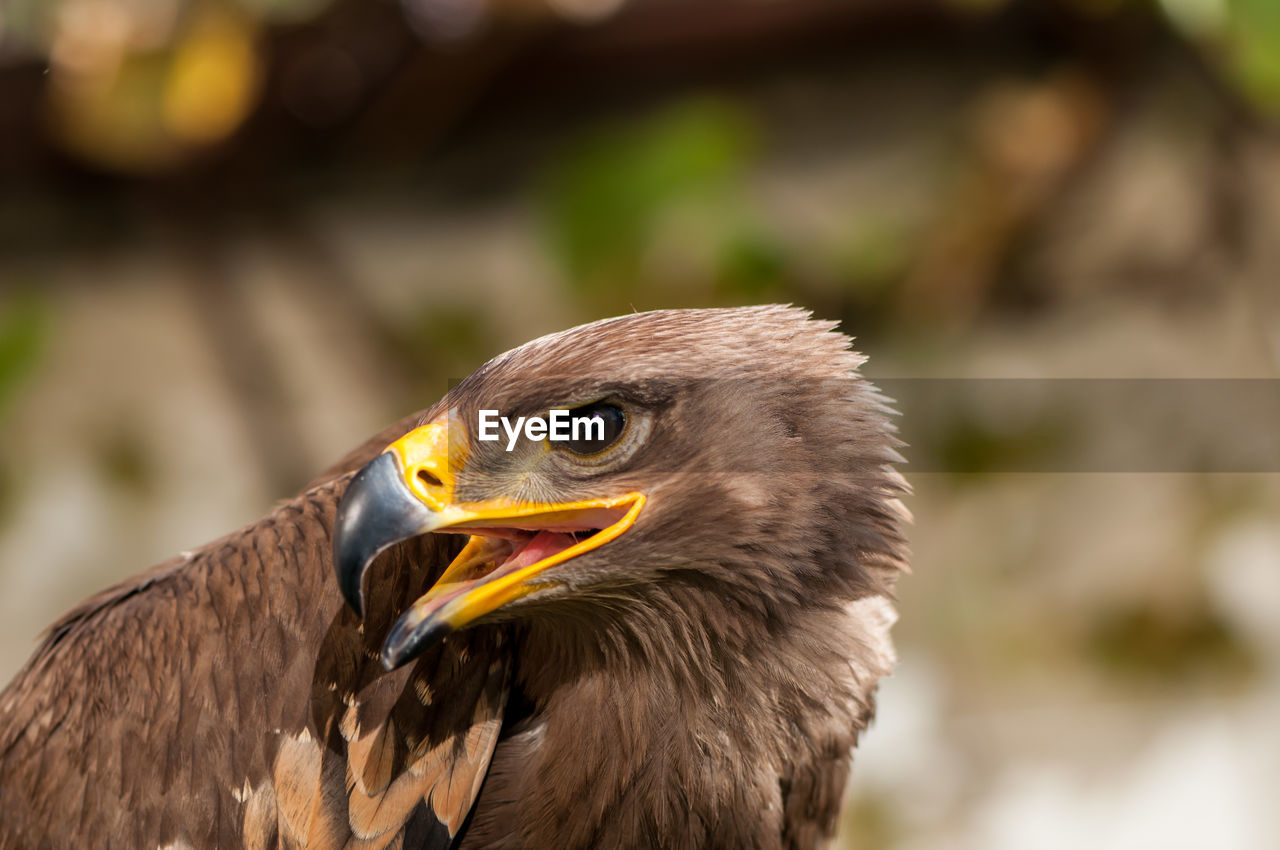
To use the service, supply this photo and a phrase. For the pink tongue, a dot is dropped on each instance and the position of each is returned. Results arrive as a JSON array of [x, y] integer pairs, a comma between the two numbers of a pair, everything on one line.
[[544, 544]]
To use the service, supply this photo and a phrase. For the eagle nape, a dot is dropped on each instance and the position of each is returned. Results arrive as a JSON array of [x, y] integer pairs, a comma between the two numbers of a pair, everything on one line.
[[409, 490]]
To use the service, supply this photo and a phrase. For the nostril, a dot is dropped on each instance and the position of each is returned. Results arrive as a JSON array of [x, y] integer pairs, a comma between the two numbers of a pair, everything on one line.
[[429, 478]]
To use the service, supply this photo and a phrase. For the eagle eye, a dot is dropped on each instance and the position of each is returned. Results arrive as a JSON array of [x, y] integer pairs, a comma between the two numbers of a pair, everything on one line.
[[594, 427]]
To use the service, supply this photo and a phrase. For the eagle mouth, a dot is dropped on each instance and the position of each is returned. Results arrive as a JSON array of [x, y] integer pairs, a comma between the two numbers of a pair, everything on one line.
[[502, 563], [494, 552], [411, 489]]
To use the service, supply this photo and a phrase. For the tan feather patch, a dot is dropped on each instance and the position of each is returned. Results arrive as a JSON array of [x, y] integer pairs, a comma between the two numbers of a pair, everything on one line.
[[457, 784], [261, 818], [297, 785], [372, 759], [377, 815]]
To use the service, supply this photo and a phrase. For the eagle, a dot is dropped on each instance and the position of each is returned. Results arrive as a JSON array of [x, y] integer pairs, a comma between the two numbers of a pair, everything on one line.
[[656, 620]]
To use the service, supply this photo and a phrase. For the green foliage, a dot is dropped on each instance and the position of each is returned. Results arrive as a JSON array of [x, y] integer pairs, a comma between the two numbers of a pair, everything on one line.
[[1245, 35], [447, 344], [968, 448], [751, 265], [608, 195], [875, 254], [663, 205], [1146, 642], [22, 332], [1254, 42]]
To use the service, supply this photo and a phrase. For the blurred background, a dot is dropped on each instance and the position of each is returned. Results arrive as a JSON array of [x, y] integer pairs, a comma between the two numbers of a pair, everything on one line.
[[239, 236]]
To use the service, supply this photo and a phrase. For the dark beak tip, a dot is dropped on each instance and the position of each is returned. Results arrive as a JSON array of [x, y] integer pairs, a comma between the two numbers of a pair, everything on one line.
[[350, 567], [409, 639], [350, 564], [393, 656]]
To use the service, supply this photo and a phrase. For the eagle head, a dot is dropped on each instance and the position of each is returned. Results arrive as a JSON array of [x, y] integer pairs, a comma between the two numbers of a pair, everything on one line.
[[736, 449]]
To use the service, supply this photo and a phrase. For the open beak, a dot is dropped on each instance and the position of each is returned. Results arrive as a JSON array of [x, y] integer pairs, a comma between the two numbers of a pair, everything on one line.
[[409, 490]]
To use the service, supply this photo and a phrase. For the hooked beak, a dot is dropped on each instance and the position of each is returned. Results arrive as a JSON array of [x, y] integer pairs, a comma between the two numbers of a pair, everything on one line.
[[409, 490]]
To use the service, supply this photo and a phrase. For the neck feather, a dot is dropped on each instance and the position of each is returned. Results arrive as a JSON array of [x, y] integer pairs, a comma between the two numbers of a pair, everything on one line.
[[682, 706]]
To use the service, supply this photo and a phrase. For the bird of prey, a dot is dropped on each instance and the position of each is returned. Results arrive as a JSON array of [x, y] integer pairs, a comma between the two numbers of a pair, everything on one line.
[[661, 630]]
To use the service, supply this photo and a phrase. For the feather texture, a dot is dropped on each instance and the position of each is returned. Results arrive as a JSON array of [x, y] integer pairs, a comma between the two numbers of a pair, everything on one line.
[[699, 682]]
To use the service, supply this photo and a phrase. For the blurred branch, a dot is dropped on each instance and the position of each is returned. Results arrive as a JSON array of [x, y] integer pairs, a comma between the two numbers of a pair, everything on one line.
[[1024, 142]]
